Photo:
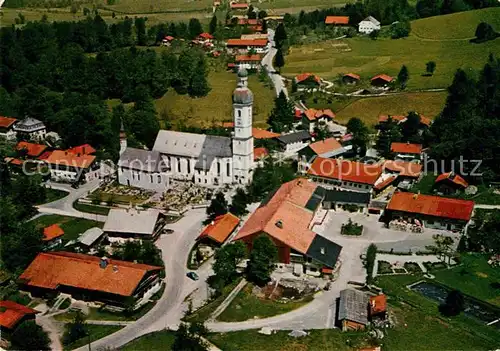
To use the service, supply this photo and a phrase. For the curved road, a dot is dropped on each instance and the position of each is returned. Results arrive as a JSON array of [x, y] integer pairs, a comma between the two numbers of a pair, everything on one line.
[[170, 308], [267, 62]]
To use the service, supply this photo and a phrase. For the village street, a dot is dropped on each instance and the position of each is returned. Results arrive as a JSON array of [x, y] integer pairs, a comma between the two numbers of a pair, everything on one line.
[[267, 63]]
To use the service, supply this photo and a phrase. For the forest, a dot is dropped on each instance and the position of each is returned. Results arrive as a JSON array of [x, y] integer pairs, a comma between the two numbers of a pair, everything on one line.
[[61, 73]]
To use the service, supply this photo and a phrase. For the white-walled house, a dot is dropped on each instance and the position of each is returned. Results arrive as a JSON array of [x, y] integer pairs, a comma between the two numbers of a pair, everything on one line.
[[293, 142], [368, 25], [7, 127], [68, 167], [142, 169], [31, 128]]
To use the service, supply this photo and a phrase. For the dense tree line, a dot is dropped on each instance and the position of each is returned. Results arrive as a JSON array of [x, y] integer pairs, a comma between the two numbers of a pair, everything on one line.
[[469, 125], [427, 8], [47, 73]]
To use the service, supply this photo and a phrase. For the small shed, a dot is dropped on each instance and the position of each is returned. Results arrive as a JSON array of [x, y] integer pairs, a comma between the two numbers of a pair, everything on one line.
[[353, 309]]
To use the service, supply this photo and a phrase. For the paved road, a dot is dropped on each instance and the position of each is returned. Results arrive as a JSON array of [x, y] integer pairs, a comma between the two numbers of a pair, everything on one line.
[[171, 306], [64, 206], [267, 62]]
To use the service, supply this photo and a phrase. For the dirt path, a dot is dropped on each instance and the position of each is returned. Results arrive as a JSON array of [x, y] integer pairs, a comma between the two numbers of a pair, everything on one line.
[[53, 330]]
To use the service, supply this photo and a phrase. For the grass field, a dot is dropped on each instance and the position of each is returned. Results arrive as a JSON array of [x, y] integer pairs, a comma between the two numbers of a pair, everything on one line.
[[162, 340], [72, 226], [98, 315], [460, 25], [473, 277], [150, 6], [217, 105], [91, 208], [368, 58], [63, 14], [96, 332], [250, 306], [368, 109], [53, 195], [325, 340]]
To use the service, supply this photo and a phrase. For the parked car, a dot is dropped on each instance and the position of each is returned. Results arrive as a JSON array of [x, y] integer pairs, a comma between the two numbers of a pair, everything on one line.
[[168, 231], [192, 275]]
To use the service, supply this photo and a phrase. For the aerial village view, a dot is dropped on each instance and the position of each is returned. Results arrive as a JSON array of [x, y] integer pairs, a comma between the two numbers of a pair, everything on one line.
[[269, 175]]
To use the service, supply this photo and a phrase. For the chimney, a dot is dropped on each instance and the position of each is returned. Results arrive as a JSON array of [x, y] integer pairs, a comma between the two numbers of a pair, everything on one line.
[[279, 223], [115, 268], [212, 223], [104, 262], [322, 250]]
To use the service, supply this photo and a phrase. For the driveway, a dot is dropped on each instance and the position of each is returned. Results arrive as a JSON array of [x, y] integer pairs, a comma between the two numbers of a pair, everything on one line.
[[64, 206], [171, 307], [267, 62]]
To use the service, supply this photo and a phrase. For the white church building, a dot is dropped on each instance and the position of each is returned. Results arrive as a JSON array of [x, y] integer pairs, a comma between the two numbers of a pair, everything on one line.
[[205, 160]]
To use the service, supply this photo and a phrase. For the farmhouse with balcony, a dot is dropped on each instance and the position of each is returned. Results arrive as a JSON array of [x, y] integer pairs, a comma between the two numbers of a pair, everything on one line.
[[7, 127], [349, 175], [368, 25], [242, 46], [381, 80], [406, 151], [90, 278], [70, 167], [350, 78], [312, 118], [307, 81]]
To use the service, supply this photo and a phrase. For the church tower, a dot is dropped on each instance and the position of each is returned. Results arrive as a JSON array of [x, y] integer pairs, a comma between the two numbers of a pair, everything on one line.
[[242, 138], [123, 139]]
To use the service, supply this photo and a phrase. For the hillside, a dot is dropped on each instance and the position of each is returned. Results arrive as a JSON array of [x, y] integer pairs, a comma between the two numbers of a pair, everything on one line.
[[460, 25]]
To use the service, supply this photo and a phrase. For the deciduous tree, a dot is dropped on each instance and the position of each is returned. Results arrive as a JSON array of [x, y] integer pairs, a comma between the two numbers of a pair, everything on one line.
[[218, 206], [264, 254], [30, 336], [430, 67], [403, 77]]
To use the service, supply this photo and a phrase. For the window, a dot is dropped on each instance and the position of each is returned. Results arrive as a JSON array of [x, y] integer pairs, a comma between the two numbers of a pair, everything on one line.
[[189, 166], [159, 179], [178, 165], [151, 177], [228, 169], [239, 113]]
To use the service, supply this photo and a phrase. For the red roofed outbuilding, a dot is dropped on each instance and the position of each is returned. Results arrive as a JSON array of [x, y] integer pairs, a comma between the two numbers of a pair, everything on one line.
[[378, 306], [381, 80], [433, 211], [32, 150], [307, 79], [450, 183], [220, 229], [12, 314], [406, 151], [337, 20], [350, 78]]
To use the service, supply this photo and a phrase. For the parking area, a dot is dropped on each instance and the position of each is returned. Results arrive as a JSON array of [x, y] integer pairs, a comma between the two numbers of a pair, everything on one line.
[[375, 232]]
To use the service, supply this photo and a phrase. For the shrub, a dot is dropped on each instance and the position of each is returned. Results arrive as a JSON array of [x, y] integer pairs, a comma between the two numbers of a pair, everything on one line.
[[351, 228], [351, 208]]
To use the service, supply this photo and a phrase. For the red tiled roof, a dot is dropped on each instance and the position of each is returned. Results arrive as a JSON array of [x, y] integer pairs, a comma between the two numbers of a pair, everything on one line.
[[231, 65], [45, 155], [59, 157], [405, 169], [454, 178], [287, 207], [50, 270], [11, 313], [383, 118], [168, 38], [206, 36], [84, 149], [425, 120], [258, 133], [305, 76], [33, 150], [260, 152], [298, 113], [244, 58], [52, 231], [239, 6], [385, 77], [337, 20], [352, 75], [431, 205], [249, 21], [378, 304], [327, 145], [247, 42], [326, 270], [385, 183], [344, 170], [6, 122], [406, 148], [313, 114], [220, 229], [13, 161]]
